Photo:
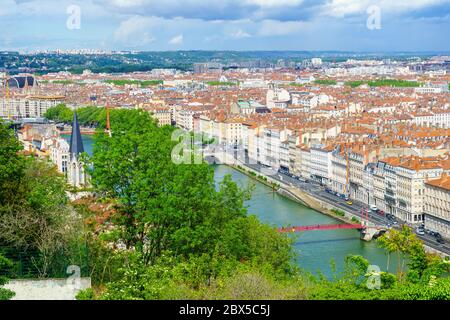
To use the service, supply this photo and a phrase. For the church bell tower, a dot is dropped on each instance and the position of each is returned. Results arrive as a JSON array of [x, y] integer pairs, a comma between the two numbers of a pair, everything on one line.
[[76, 174]]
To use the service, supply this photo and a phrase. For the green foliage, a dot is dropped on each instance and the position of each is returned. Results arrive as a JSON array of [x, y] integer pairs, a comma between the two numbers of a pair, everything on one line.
[[64, 82], [173, 207], [338, 212], [86, 115], [193, 279], [219, 83], [11, 164], [393, 83], [406, 244], [35, 219], [384, 83], [294, 84], [325, 82], [354, 84], [141, 83], [172, 218], [5, 294], [356, 220], [87, 294], [59, 113]]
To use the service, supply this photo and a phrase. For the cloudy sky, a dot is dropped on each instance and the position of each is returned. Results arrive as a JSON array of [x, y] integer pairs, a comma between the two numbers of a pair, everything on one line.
[[354, 25]]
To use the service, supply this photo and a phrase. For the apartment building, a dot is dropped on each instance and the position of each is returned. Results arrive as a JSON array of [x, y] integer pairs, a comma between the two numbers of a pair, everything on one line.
[[233, 132], [436, 118], [20, 107], [59, 154], [320, 163], [411, 176], [436, 206], [294, 155], [270, 147], [163, 115], [359, 179], [305, 155], [277, 98], [184, 117], [248, 107], [339, 173], [251, 140], [285, 156]]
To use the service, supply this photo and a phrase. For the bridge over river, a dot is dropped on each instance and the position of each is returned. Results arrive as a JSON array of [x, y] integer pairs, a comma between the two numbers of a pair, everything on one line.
[[331, 239], [315, 249]]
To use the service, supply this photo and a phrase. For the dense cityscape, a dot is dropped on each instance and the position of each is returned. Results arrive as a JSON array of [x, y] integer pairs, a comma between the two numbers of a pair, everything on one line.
[[133, 174]]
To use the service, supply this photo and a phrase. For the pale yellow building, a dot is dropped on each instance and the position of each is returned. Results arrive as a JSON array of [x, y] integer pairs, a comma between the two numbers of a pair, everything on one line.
[[437, 205]]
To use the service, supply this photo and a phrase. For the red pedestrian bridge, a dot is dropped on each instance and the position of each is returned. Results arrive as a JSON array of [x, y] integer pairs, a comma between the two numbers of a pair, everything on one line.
[[321, 227]]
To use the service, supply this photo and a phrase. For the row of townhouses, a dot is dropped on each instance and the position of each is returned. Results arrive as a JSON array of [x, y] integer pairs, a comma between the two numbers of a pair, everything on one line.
[[408, 184]]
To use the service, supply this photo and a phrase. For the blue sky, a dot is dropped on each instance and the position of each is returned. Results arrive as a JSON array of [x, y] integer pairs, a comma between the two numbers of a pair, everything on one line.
[[405, 25]]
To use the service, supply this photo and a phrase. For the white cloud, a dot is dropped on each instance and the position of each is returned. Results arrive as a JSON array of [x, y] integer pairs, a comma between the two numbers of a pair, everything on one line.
[[274, 3], [133, 32], [177, 40], [127, 3], [239, 34], [8, 7], [341, 8], [271, 28]]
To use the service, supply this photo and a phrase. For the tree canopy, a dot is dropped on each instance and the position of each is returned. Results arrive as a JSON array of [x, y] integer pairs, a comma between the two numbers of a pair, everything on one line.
[[35, 217]]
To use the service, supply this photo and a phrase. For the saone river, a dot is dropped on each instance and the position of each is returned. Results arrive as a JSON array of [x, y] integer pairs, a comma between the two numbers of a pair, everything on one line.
[[315, 249]]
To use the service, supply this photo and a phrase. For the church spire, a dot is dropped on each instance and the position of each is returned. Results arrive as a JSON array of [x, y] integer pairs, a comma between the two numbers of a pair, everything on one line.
[[76, 143]]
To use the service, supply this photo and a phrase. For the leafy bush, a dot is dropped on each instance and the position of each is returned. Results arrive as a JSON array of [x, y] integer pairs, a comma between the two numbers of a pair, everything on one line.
[[5, 294]]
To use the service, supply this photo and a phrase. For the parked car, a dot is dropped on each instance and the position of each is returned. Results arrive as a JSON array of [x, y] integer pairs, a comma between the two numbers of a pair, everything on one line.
[[381, 212], [346, 198], [440, 240], [420, 231], [349, 202], [373, 207], [391, 217]]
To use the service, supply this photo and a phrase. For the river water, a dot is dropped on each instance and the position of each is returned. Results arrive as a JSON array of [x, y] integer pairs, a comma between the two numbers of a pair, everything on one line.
[[315, 249], [87, 141]]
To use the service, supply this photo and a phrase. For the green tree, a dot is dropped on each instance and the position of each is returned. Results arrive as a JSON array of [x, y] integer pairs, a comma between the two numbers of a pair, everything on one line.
[[5, 294], [400, 242], [176, 212], [34, 211], [59, 113], [11, 164]]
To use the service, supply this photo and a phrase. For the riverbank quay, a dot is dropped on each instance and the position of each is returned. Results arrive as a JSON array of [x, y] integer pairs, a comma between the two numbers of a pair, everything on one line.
[[314, 197], [292, 193]]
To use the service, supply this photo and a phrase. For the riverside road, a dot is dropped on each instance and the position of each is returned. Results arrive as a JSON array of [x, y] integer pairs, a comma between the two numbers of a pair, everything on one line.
[[318, 191]]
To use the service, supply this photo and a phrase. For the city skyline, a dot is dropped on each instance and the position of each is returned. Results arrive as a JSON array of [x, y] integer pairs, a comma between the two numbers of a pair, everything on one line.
[[141, 25]]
